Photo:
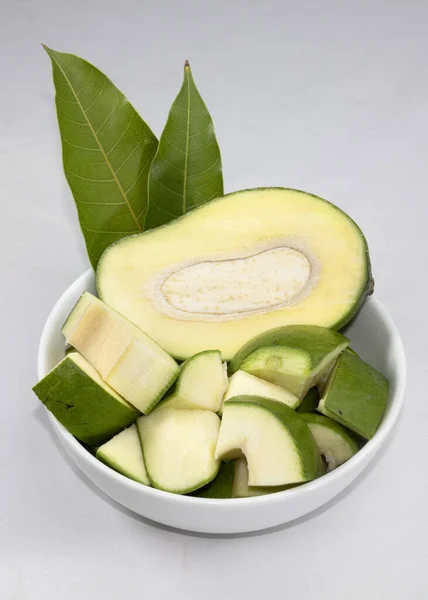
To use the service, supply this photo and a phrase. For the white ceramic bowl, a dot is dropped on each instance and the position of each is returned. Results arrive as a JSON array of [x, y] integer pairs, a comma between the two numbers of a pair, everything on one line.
[[373, 335]]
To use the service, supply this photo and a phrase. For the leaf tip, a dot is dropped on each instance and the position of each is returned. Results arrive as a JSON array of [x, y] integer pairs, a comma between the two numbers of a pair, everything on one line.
[[46, 49], [186, 64]]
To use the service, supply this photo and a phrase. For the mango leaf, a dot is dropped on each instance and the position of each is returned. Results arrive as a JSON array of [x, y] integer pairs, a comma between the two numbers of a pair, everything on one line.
[[186, 171], [107, 151]]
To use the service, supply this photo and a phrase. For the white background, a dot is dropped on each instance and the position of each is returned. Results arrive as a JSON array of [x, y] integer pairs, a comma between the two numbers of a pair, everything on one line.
[[326, 96]]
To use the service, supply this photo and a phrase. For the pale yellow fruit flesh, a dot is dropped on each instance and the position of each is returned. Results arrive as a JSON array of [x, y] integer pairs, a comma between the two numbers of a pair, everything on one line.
[[259, 436], [94, 374], [201, 384], [242, 383], [328, 439], [126, 358], [178, 448], [240, 487], [124, 454]]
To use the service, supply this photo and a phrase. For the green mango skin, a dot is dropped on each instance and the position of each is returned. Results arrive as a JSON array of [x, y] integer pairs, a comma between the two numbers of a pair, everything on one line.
[[356, 395], [309, 402], [221, 486], [85, 409], [317, 341], [311, 461]]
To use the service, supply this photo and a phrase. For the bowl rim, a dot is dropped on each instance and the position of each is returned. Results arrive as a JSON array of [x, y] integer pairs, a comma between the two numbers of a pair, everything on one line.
[[370, 448]]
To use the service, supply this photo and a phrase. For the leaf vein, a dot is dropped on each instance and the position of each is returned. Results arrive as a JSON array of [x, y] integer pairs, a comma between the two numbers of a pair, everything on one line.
[[108, 232], [99, 203], [105, 121], [64, 139], [194, 120], [200, 185], [165, 160], [173, 145], [65, 73], [139, 175], [84, 85], [166, 211], [129, 156], [166, 186], [202, 149], [213, 195], [186, 156], [66, 101], [61, 116], [205, 170], [92, 180], [97, 98], [202, 131], [122, 135]]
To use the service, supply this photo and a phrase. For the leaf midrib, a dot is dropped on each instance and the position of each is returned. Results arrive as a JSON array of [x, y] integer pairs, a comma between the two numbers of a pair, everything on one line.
[[186, 155], [121, 190]]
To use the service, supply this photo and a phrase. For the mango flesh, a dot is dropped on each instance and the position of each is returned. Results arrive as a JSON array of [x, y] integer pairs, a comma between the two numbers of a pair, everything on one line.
[[275, 440], [127, 359], [241, 489], [242, 384], [201, 383], [335, 443], [236, 267], [124, 454], [178, 448]]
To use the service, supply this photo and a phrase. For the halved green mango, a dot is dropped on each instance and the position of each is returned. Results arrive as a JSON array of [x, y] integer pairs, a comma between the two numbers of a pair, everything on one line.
[[237, 266]]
